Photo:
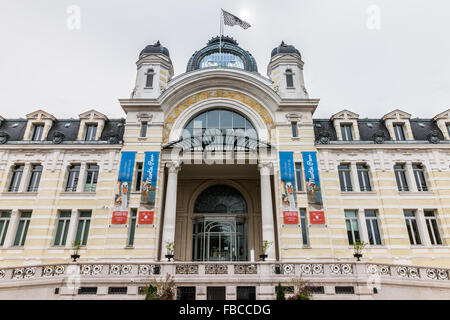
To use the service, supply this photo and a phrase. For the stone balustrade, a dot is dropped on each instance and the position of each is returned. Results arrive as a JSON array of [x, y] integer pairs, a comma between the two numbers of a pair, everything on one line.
[[264, 271]]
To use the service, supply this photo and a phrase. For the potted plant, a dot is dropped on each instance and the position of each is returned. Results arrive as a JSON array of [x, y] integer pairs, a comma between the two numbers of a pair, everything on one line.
[[160, 290], [302, 290], [281, 292], [76, 245], [357, 249], [265, 246], [170, 248]]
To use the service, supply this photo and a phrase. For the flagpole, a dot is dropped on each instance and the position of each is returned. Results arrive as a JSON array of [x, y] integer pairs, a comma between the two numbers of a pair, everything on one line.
[[220, 41]]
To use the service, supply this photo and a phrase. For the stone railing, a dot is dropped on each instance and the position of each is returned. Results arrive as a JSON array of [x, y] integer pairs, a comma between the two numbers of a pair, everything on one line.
[[190, 271]]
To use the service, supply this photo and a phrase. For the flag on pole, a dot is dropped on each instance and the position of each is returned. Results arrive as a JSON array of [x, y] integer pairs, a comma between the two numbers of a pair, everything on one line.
[[231, 20]]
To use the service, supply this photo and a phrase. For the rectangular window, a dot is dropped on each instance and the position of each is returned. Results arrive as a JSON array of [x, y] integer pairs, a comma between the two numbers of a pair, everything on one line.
[[400, 176], [143, 129], [411, 225], [346, 130], [35, 178], [22, 229], [344, 177], [304, 226], [62, 228], [298, 176], [294, 129], [351, 221], [38, 129], [91, 131], [4, 224], [363, 177], [83, 227], [91, 178], [399, 133], [185, 293], [419, 176], [15, 178], [373, 230], [138, 185], [245, 293], [432, 227], [72, 178], [132, 231], [149, 79]]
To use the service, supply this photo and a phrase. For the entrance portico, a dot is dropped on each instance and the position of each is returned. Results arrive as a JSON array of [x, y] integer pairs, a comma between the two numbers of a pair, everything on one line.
[[218, 212]]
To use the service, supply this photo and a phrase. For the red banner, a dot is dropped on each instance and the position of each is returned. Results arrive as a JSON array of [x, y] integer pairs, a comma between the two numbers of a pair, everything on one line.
[[290, 217], [146, 217], [119, 217], [317, 217]]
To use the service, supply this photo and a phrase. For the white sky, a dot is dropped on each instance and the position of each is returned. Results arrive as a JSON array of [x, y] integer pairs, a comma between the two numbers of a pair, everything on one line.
[[405, 64]]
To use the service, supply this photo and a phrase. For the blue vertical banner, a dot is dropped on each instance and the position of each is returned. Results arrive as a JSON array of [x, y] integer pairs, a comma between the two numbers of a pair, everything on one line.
[[312, 180], [288, 186], [124, 181], [149, 179]]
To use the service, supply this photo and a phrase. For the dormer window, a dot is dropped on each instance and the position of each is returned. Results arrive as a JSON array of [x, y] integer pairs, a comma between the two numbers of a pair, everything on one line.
[[289, 78], [149, 80], [91, 131], [399, 132], [38, 129], [346, 130]]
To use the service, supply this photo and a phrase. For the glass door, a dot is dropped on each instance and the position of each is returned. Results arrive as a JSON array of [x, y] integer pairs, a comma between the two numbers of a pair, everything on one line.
[[219, 239]]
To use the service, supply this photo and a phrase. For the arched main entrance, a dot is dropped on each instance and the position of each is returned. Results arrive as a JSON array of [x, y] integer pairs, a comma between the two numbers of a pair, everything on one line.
[[220, 225]]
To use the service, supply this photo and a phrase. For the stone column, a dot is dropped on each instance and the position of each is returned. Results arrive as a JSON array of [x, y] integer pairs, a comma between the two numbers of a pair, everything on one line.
[[168, 234], [354, 175], [12, 228], [82, 177], [25, 177], [422, 226], [268, 230], [410, 177], [72, 232]]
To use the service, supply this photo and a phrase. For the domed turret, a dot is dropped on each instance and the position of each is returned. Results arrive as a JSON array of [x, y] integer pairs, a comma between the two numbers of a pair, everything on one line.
[[156, 48], [284, 48], [286, 71], [154, 71]]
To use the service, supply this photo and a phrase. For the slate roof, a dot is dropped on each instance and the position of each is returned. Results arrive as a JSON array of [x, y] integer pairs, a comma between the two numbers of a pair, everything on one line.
[[421, 129], [15, 128]]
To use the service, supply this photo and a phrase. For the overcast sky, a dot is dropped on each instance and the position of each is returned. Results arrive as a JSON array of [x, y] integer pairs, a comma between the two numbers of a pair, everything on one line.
[[404, 64]]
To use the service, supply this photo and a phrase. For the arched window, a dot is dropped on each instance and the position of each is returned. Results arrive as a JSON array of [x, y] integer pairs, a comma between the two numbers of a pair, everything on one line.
[[149, 81], [289, 78], [220, 119], [220, 199]]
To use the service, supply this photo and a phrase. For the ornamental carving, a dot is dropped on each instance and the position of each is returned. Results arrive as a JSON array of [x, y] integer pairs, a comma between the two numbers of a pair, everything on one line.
[[186, 269], [245, 269], [216, 269], [229, 94]]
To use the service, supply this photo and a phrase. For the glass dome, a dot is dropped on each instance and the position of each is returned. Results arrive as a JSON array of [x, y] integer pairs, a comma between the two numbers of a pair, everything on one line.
[[226, 59], [222, 52]]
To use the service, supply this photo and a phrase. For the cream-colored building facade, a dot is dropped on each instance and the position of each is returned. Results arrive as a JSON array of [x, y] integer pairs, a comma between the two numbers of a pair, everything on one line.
[[221, 133]]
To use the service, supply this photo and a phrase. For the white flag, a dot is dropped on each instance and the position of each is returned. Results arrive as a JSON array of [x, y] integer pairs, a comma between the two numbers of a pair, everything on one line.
[[231, 20]]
